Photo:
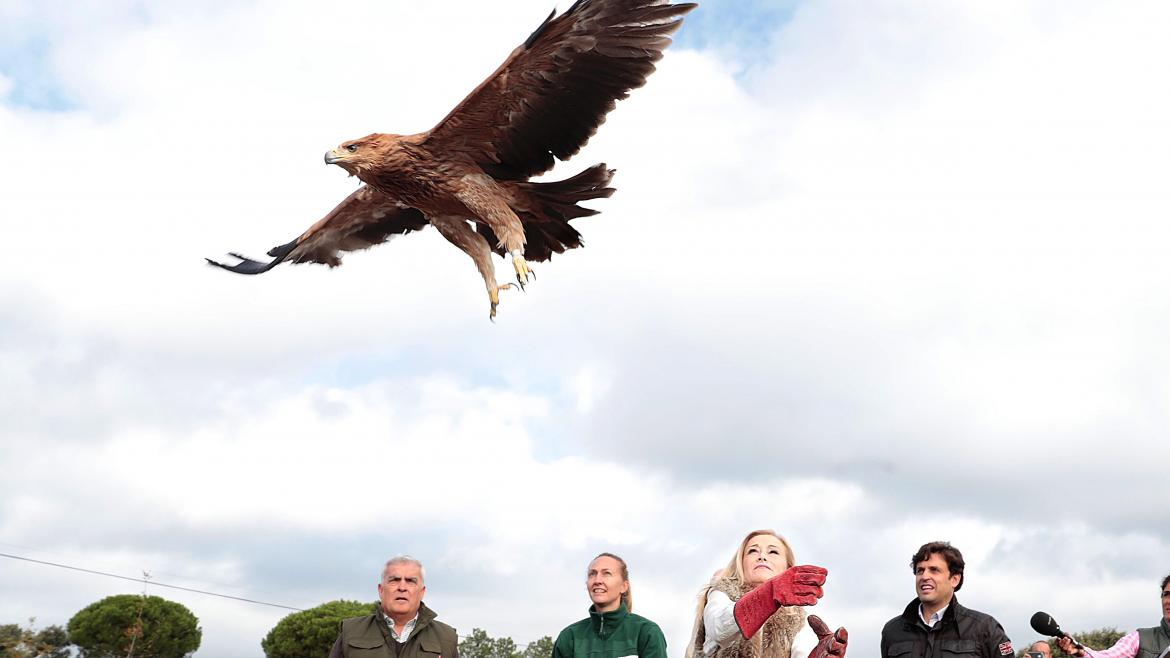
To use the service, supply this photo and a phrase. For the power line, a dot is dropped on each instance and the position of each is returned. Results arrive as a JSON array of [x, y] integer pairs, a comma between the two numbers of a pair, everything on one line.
[[149, 582]]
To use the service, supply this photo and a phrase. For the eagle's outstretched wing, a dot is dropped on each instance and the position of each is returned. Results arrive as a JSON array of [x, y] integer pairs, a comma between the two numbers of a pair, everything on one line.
[[364, 219], [550, 95]]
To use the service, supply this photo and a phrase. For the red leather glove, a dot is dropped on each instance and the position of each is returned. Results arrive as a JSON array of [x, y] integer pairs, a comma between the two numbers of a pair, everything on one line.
[[796, 586], [831, 644]]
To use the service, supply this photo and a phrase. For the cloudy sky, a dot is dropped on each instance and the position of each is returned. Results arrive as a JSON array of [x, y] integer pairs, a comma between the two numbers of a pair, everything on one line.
[[876, 274]]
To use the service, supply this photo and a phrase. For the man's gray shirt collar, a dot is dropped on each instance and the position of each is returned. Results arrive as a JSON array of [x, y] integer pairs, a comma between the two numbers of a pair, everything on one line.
[[406, 630]]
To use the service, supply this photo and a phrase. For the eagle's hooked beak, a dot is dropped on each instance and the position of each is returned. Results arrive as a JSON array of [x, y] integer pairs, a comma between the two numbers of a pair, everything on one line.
[[331, 157]]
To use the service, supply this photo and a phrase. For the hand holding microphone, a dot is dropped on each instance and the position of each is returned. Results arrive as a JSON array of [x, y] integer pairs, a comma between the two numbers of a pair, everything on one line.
[[1070, 646], [1043, 623]]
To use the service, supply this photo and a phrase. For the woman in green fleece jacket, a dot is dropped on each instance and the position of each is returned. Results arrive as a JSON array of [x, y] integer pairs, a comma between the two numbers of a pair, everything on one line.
[[612, 630]]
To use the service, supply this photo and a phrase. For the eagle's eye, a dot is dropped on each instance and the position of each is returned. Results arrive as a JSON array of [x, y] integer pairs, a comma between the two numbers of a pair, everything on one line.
[[351, 147]]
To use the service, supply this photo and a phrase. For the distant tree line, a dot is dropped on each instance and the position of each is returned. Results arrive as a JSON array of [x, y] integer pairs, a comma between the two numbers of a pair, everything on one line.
[[18, 641], [121, 626], [1101, 638], [480, 645]]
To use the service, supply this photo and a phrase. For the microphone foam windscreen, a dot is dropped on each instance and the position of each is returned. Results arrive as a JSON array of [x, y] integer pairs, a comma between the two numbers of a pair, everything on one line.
[[1042, 622]]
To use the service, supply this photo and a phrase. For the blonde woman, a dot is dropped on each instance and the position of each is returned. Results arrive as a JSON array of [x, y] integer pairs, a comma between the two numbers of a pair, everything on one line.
[[752, 608]]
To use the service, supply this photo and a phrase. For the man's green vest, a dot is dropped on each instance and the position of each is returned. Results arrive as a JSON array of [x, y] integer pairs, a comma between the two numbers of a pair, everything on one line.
[[1153, 641], [369, 637]]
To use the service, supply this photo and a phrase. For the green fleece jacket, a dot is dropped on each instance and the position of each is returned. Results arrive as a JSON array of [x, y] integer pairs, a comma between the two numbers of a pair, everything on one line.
[[611, 635]]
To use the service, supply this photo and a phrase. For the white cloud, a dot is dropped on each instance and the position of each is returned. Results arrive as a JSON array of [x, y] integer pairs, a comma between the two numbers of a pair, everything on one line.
[[590, 384]]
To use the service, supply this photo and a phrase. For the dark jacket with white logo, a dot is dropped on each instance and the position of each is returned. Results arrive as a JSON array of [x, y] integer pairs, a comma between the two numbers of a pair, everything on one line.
[[961, 633]]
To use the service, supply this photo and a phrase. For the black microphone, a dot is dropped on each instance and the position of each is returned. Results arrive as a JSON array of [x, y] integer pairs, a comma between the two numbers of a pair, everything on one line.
[[1043, 623]]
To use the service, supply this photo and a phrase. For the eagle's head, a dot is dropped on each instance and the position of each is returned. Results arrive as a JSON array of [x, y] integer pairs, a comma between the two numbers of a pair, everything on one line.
[[359, 155]]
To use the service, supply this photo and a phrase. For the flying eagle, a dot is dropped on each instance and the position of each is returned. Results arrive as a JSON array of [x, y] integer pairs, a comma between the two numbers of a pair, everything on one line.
[[543, 103]]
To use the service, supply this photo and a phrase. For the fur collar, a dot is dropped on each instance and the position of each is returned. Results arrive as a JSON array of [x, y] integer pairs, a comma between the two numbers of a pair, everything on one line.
[[774, 640]]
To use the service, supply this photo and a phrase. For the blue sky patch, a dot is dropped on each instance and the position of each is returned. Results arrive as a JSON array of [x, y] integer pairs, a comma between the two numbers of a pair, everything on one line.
[[34, 85], [743, 24]]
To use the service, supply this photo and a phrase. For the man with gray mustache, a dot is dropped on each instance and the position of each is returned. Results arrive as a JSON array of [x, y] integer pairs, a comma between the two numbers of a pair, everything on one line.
[[402, 626]]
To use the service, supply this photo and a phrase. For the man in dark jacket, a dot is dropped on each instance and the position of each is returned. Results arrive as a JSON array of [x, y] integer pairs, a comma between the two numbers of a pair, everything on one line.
[[403, 626], [934, 625]]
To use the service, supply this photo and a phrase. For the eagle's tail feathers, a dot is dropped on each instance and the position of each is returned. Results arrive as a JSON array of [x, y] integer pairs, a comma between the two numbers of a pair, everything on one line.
[[550, 207], [559, 198]]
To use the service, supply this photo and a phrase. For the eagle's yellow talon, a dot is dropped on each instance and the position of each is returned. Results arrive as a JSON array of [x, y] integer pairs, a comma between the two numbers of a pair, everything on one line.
[[494, 298], [522, 271]]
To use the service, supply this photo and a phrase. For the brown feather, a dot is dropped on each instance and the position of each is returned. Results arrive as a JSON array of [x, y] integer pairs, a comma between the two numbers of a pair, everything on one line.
[[546, 209], [363, 219], [552, 93]]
